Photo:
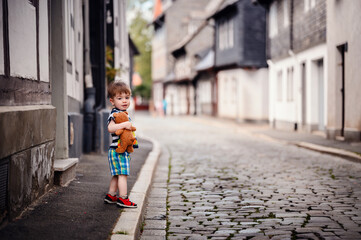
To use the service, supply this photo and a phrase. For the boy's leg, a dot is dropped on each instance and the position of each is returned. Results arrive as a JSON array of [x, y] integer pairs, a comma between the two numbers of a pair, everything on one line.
[[111, 197], [113, 186], [123, 200], [122, 185]]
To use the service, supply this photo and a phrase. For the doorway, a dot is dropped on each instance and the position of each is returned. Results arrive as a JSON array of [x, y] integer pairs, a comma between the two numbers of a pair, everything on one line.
[[341, 83], [303, 95], [321, 95]]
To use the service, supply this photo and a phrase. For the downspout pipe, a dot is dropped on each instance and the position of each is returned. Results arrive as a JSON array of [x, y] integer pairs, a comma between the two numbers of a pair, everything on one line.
[[89, 101]]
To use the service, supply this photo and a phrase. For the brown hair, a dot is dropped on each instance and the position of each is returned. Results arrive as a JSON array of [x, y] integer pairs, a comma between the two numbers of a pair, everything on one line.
[[118, 87]]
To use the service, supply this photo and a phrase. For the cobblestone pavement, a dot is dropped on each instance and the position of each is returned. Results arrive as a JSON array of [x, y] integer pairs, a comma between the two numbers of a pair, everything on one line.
[[226, 184]]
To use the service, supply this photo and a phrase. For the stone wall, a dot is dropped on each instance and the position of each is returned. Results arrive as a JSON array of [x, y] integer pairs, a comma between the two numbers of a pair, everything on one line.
[[28, 136]]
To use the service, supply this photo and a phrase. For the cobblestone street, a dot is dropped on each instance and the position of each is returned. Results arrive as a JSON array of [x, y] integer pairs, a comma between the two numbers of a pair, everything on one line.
[[224, 183]]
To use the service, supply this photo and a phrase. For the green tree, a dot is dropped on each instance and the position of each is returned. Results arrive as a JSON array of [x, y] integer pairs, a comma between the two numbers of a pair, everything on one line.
[[110, 70], [141, 34]]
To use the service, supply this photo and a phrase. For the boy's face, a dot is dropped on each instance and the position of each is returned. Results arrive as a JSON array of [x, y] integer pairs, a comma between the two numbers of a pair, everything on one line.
[[121, 101]]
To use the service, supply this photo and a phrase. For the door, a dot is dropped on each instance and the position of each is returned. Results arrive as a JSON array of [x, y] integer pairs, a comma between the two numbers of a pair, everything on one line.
[[341, 65], [321, 96], [303, 94]]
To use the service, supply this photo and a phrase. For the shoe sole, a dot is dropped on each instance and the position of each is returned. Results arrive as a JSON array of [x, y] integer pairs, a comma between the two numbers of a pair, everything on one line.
[[108, 201], [125, 206]]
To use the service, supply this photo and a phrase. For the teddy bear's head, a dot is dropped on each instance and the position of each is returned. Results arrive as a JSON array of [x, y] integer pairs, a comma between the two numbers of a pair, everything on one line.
[[121, 117]]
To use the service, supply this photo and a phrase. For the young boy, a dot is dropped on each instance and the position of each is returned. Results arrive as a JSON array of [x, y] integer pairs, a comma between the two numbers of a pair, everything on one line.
[[119, 96]]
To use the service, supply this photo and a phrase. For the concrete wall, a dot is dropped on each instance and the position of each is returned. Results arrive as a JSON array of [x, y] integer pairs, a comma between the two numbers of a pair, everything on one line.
[[243, 94], [343, 26], [29, 151]]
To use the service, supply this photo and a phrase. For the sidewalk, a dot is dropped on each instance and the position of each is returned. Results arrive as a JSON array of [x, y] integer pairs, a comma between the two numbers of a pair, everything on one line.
[[77, 211], [348, 150]]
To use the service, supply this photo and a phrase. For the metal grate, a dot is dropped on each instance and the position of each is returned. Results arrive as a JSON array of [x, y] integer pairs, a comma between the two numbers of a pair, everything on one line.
[[4, 166]]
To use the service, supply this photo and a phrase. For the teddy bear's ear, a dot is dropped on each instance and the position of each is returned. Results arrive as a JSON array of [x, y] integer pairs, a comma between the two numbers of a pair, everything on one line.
[[126, 112]]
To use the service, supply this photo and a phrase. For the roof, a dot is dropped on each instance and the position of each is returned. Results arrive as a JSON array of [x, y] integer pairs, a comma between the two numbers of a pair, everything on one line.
[[187, 38], [207, 62], [157, 9], [209, 10], [223, 6]]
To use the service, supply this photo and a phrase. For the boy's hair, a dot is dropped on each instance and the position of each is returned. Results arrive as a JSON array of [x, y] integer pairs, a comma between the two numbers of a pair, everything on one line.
[[118, 87]]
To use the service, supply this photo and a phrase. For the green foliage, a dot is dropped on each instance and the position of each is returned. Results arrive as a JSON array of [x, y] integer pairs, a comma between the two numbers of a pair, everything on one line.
[[110, 71], [143, 90], [141, 34]]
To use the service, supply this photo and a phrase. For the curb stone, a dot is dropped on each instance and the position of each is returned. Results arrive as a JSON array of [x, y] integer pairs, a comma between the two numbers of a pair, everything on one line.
[[315, 147], [128, 224]]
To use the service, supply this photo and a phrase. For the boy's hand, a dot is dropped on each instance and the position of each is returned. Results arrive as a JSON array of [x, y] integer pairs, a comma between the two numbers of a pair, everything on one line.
[[127, 125]]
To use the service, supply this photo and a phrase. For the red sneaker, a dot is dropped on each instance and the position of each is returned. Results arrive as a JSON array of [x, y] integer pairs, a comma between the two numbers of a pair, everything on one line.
[[110, 199], [126, 203]]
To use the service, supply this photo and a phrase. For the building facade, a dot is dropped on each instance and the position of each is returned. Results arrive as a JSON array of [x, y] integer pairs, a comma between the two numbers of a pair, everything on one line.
[[27, 116], [344, 56], [52, 86], [297, 65], [240, 61], [177, 22]]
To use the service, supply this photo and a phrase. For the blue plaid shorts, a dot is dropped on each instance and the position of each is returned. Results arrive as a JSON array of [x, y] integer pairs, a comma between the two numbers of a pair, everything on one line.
[[118, 162]]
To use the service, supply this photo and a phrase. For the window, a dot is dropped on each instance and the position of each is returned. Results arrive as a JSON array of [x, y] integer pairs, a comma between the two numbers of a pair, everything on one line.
[[234, 88], [313, 3], [290, 84], [273, 29], [226, 34], [309, 4], [286, 20], [279, 86], [69, 32]]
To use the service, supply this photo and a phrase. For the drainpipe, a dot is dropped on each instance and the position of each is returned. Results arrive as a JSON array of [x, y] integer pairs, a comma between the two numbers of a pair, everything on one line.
[[89, 103]]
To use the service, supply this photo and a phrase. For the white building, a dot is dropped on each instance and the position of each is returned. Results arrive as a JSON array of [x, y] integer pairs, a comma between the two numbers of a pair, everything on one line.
[[297, 65]]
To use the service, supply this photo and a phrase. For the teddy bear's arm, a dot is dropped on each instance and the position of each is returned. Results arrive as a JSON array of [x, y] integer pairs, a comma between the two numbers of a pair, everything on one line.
[[133, 128], [119, 131]]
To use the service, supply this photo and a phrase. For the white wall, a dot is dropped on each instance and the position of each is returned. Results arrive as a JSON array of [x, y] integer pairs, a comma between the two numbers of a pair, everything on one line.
[[176, 96], [343, 25], [121, 50], [44, 41], [157, 93], [204, 97], [243, 94], [291, 111], [74, 49], [22, 39], [1, 42]]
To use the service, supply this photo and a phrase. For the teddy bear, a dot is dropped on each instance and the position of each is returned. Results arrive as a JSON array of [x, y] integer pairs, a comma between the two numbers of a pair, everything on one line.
[[126, 137]]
